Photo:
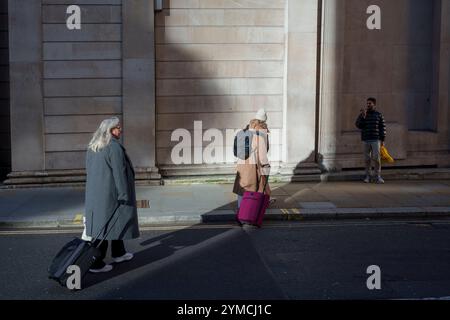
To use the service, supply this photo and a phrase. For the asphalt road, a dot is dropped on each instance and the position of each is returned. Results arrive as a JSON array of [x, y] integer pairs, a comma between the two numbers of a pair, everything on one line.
[[297, 260]]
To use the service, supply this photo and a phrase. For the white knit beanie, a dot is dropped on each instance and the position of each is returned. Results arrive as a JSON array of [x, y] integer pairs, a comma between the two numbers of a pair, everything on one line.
[[261, 115]]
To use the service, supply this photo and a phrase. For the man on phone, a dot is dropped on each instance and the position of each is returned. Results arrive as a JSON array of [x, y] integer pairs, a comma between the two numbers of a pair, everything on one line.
[[373, 134]]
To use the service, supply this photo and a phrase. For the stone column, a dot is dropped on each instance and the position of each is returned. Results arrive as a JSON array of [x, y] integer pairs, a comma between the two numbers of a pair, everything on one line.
[[300, 86], [139, 86], [446, 26], [26, 100], [332, 65], [441, 76]]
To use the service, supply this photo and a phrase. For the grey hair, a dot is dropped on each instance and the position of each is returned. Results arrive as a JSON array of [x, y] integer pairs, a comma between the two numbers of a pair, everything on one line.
[[102, 137]]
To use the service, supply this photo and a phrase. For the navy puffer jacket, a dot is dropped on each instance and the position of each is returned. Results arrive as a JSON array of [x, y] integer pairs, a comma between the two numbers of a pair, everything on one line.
[[372, 126]]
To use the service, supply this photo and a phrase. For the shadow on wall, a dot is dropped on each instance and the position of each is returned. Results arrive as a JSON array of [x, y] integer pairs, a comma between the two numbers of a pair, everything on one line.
[[192, 86], [422, 82]]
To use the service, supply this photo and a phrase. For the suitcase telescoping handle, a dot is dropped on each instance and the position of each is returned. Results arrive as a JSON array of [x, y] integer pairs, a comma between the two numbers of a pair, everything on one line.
[[264, 190], [104, 227], [257, 181], [265, 183], [256, 166]]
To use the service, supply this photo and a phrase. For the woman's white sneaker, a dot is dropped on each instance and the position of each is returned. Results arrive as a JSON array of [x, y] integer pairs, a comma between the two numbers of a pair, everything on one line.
[[126, 257], [106, 268]]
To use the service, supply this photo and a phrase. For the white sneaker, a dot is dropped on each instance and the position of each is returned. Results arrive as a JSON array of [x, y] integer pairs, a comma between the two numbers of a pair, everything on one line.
[[106, 268], [126, 257], [367, 179], [380, 180]]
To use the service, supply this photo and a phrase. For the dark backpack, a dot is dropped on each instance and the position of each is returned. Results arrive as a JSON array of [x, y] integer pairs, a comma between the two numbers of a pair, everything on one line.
[[243, 143]]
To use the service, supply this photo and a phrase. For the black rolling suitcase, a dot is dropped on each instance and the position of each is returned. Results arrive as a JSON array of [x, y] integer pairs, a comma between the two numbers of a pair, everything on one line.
[[77, 252]]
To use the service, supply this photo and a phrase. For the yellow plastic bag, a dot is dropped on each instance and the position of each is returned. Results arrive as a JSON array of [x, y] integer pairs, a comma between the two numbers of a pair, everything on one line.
[[385, 156]]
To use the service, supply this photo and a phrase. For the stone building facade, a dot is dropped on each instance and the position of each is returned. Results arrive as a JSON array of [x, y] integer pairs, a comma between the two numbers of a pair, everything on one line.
[[207, 66]]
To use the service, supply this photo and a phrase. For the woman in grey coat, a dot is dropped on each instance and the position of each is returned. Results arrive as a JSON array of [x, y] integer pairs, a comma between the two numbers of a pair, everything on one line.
[[110, 185]]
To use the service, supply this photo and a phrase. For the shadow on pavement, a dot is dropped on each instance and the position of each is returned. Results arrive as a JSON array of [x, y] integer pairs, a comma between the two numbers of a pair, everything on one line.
[[156, 250]]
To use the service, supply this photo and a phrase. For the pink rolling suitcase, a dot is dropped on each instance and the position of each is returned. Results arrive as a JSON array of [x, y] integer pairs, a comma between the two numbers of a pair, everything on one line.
[[253, 207]]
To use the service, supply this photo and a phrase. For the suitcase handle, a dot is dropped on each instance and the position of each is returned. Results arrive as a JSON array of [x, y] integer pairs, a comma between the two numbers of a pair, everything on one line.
[[104, 227], [256, 166], [257, 182]]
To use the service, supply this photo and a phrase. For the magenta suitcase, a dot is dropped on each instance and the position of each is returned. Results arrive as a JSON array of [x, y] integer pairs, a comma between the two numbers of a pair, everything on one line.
[[253, 208]]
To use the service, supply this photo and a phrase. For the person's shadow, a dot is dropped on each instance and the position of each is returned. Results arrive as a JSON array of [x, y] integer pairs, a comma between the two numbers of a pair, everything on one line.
[[156, 249], [220, 244]]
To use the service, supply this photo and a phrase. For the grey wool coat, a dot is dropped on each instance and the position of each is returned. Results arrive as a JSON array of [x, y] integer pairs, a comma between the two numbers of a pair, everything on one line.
[[110, 183]]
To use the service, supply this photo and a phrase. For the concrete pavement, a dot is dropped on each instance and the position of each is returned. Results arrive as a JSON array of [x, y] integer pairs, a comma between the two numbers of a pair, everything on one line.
[[192, 204]]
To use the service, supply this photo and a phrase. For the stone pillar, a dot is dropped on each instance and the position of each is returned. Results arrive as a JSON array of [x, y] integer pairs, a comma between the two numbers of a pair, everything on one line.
[[446, 26], [442, 76], [332, 65], [444, 81], [26, 100], [300, 86], [139, 86]]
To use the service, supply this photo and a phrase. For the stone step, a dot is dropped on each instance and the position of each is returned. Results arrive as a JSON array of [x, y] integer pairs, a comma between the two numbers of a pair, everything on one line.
[[68, 178], [393, 174], [217, 175]]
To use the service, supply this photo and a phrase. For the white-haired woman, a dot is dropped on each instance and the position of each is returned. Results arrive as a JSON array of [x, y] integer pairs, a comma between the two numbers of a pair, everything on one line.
[[110, 185]]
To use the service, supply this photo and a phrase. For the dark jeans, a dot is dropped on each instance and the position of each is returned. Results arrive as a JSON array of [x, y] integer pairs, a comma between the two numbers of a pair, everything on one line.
[[117, 250]]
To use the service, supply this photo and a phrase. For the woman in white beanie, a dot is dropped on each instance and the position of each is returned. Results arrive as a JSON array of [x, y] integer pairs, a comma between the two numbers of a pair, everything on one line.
[[253, 172], [261, 115]]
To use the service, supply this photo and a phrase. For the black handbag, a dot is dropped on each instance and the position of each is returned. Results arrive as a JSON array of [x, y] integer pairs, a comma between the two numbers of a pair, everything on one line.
[[77, 252]]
